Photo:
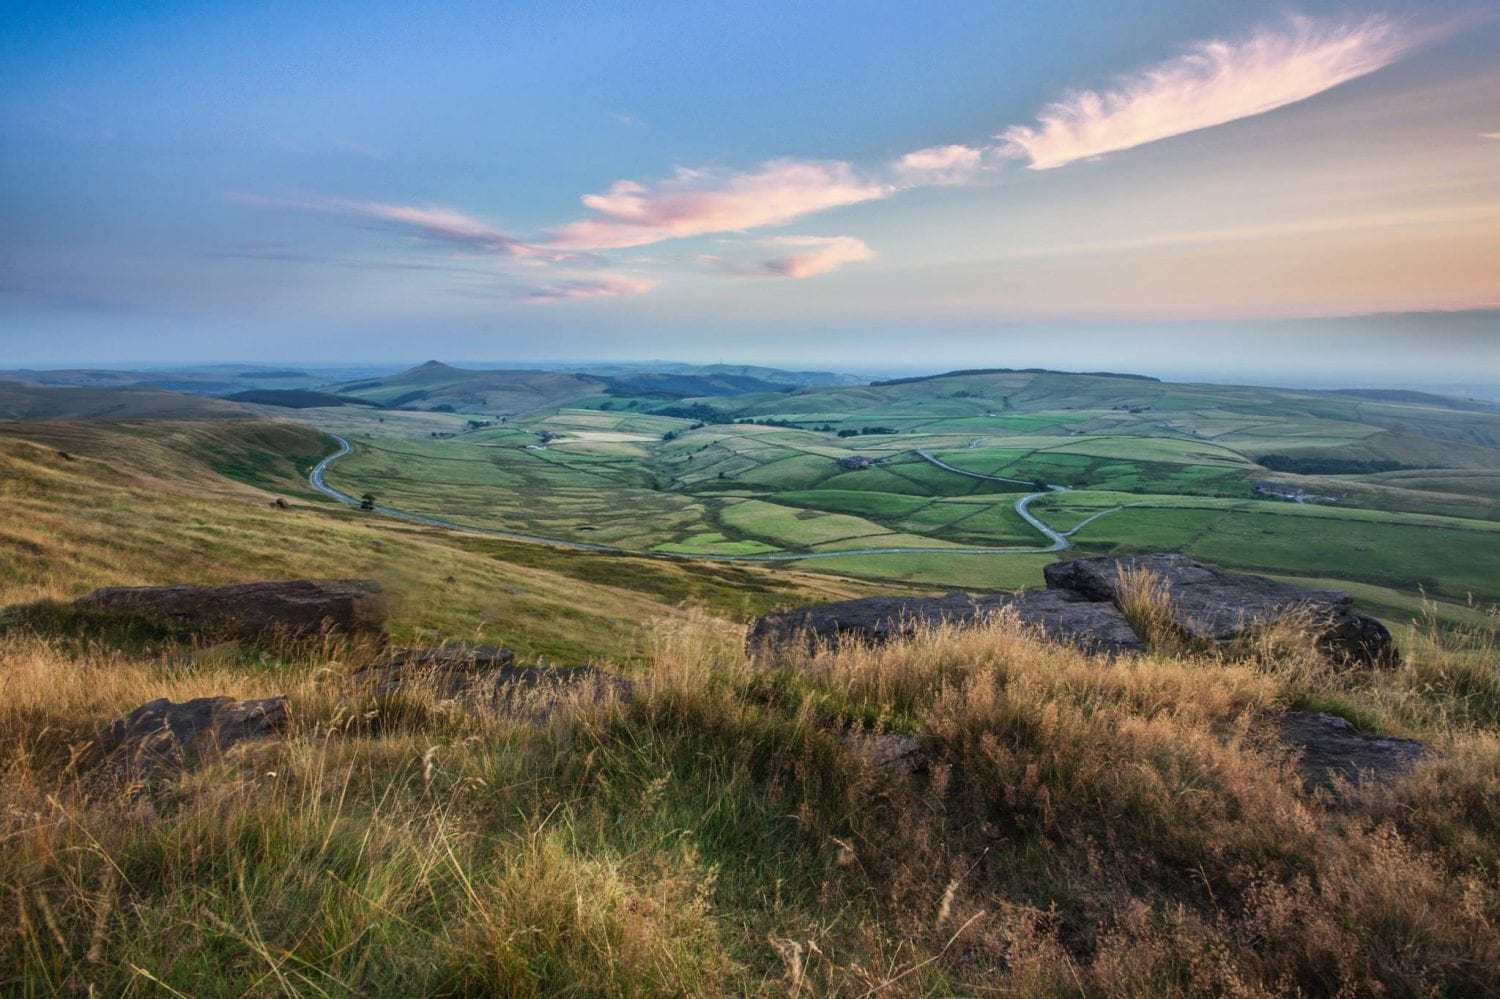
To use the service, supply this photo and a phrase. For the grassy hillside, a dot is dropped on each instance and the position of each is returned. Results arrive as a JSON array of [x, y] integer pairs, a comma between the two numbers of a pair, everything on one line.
[[272, 456], [144, 504], [28, 402], [1073, 828]]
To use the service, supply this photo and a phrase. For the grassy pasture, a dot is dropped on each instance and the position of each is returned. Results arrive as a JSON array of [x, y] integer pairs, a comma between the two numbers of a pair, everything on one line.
[[1180, 457], [595, 498], [1447, 558], [788, 527], [608, 477]]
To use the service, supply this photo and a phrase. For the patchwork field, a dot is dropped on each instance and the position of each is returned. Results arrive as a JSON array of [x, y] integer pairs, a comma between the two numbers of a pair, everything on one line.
[[919, 481], [1304, 484]]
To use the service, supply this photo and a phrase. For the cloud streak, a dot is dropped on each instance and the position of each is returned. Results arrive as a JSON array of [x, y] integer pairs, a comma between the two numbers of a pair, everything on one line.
[[809, 256], [700, 202], [1213, 83], [591, 286], [440, 225]]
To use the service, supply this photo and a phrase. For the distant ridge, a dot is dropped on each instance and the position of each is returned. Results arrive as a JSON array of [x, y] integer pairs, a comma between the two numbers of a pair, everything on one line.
[[298, 398], [1420, 398], [1013, 371]]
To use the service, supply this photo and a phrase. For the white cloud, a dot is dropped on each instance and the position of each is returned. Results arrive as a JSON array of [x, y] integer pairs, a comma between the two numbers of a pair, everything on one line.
[[698, 202], [1212, 83], [939, 165], [592, 286]]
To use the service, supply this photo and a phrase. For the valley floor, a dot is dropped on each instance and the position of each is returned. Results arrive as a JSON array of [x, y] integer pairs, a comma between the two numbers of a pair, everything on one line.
[[967, 812]]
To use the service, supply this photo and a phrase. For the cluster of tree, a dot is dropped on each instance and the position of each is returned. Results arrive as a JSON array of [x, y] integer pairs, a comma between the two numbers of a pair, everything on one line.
[[697, 411], [864, 431], [672, 435], [1315, 464], [766, 421]]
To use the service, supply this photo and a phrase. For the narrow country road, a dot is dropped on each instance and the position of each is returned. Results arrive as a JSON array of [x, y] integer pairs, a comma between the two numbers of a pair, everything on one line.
[[1059, 540]]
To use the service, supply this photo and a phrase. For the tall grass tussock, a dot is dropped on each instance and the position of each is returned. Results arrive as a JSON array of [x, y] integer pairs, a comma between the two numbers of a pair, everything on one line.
[[1055, 825]]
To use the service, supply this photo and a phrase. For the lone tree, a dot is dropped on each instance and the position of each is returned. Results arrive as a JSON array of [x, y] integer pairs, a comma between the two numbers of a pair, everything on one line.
[[367, 501]]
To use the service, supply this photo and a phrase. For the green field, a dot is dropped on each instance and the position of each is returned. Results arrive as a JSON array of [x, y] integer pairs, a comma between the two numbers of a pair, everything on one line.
[[1402, 498]]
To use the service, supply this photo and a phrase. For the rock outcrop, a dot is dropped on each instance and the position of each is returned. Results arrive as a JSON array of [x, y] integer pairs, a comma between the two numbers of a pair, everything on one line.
[[1096, 626], [168, 735], [1330, 749], [1212, 606], [291, 609], [487, 677], [1081, 606]]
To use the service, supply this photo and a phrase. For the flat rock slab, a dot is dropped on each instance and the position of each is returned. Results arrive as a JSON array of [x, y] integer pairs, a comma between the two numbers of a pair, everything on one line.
[[1331, 749], [1095, 626], [485, 676], [290, 609], [163, 734], [1214, 606]]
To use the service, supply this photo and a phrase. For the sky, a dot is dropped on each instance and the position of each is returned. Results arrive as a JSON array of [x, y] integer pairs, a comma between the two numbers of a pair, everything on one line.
[[1208, 189]]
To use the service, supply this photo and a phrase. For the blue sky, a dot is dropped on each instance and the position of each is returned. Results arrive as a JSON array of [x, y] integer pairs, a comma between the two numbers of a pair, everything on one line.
[[1209, 187]]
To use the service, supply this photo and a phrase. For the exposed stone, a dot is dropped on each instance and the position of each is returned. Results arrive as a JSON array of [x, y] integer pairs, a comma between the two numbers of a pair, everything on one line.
[[1092, 625], [1064, 617], [484, 676], [163, 734], [291, 609], [1331, 749], [448, 670], [889, 751], [1214, 606]]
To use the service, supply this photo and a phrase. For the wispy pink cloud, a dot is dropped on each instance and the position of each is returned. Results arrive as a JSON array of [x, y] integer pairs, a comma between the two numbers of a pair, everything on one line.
[[1212, 83], [810, 256], [440, 225], [592, 286], [698, 202], [939, 165]]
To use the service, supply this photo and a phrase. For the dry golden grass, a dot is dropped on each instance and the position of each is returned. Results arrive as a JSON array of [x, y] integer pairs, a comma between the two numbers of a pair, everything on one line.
[[1145, 598], [1076, 828]]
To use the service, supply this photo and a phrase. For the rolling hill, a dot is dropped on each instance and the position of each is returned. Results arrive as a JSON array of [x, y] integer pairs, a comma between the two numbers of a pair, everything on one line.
[[28, 402], [440, 387], [100, 503]]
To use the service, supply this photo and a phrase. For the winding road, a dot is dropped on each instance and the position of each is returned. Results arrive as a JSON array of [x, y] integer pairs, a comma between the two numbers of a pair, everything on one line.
[[1059, 539]]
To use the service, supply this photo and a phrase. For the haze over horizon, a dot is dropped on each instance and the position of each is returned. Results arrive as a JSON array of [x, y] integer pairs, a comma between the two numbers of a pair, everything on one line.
[[1219, 192]]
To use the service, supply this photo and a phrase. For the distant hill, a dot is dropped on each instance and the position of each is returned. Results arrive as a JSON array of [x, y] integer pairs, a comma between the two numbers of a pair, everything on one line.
[[1414, 422], [1417, 398], [218, 379], [298, 398], [773, 376], [691, 386], [439, 387], [30, 402], [963, 372]]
